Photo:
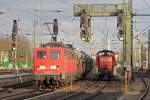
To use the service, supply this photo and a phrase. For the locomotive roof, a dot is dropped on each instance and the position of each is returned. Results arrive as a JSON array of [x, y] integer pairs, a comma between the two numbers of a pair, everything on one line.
[[106, 51], [67, 46], [58, 44]]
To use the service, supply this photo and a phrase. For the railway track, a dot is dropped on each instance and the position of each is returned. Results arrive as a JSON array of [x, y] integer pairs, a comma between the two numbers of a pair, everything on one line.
[[66, 91], [83, 94], [19, 91], [139, 89], [99, 91], [21, 85], [23, 91], [22, 95], [146, 85], [12, 80], [94, 94], [81, 90]]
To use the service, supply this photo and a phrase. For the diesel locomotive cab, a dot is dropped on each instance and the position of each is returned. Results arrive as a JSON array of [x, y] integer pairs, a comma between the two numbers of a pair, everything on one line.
[[105, 62]]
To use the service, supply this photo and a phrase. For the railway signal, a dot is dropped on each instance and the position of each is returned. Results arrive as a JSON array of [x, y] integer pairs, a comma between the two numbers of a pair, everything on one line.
[[120, 24], [14, 34], [55, 29], [85, 25]]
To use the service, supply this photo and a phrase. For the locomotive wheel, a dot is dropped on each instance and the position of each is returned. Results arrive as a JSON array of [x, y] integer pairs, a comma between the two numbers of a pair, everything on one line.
[[61, 83], [49, 86], [45, 85], [39, 85], [35, 84], [57, 84], [65, 83], [54, 85]]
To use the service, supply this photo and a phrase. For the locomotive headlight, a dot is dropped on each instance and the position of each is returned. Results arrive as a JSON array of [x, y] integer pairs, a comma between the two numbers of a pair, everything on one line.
[[42, 67], [57, 68], [53, 67], [38, 68], [82, 38]]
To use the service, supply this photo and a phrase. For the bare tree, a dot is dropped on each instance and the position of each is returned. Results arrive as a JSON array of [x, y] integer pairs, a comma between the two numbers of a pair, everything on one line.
[[24, 49]]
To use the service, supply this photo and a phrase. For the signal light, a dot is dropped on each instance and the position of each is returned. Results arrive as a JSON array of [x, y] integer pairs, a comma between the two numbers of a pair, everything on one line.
[[55, 27], [119, 22], [83, 38], [120, 19], [83, 35], [82, 32], [120, 32], [120, 35], [13, 48]]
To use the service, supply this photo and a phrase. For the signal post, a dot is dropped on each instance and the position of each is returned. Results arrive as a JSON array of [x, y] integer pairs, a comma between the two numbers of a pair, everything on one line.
[[14, 39]]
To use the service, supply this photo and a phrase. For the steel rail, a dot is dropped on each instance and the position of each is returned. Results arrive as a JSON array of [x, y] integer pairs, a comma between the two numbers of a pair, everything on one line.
[[96, 93], [145, 91], [46, 95], [18, 96], [75, 94]]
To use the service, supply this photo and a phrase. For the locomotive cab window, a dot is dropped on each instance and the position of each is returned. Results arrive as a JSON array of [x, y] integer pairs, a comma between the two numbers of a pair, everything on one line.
[[54, 54], [109, 53], [101, 54], [41, 54]]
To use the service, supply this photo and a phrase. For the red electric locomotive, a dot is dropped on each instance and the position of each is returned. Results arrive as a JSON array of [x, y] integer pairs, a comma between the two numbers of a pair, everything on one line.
[[56, 64], [105, 61]]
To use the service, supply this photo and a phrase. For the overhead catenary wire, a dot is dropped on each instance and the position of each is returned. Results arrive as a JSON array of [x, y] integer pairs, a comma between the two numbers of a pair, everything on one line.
[[146, 3], [63, 2], [142, 32], [28, 10]]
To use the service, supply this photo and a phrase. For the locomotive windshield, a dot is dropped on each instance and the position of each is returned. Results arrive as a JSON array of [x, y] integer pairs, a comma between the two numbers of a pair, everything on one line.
[[109, 53], [105, 54], [101, 54], [41, 54], [54, 54]]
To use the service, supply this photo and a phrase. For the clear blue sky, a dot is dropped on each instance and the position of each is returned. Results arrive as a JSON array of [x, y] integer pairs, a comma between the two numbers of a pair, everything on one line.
[[26, 11]]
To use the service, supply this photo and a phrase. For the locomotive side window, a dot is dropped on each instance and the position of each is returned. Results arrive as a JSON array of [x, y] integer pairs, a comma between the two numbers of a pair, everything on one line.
[[101, 54], [106, 53], [109, 53], [41, 54], [54, 54], [71, 55]]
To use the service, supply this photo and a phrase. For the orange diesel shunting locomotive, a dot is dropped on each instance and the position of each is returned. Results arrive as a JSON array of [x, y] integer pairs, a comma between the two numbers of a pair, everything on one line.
[[105, 61]]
